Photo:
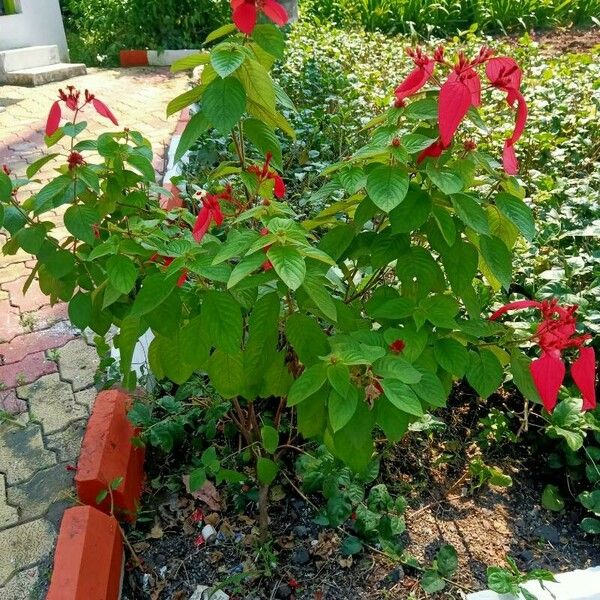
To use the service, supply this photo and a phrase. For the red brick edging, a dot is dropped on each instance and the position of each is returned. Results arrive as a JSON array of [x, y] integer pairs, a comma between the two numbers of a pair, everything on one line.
[[88, 561]]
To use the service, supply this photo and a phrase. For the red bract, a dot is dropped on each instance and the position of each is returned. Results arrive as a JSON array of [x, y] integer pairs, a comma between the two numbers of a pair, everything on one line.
[[555, 334], [266, 173], [209, 213], [6, 169], [397, 346], [418, 77], [75, 160], [167, 260], [245, 13], [72, 101], [505, 74]]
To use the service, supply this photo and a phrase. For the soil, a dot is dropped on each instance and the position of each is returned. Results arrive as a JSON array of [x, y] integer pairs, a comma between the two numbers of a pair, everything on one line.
[[564, 41], [431, 471]]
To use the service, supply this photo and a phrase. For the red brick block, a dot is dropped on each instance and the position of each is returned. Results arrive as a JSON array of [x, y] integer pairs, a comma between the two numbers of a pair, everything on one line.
[[107, 453], [133, 58], [89, 557], [28, 370]]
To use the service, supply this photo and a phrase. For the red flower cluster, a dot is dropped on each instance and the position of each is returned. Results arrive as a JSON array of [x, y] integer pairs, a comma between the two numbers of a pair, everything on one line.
[[462, 90], [209, 213], [397, 346], [554, 334], [72, 101], [75, 160], [266, 173], [245, 13]]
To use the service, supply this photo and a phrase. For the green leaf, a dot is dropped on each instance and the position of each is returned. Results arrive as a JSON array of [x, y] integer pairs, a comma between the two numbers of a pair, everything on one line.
[[447, 561], [519, 367], [518, 213], [500, 580], [227, 59], [288, 264], [220, 32], [431, 390], [80, 310], [412, 213], [415, 142], [32, 169], [341, 408], [222, 319], [395, 367], [314, 286], [223, 103], [431, 581], [196, 126], [266, 470], [182, 101], [591, 525], [226, 372], [44, 198], [197, 479], [471, 213], [270, 439], [6, 185], [447, 181], [155, 290], [79, 221], [485, 373], [307, 339], [552, 499], [591, 500], [270, 39], [190, 62], [265, 140], [339, 378], [307, 384], [122, 273], [351, 546], [452, 356], [244, 268], [498, 258], [402, 397], [387, 186], [143, 165]]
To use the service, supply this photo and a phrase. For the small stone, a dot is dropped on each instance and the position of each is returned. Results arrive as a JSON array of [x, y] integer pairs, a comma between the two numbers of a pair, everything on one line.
[[547, 532], [203, 592], [283, 592], [396, 575], [300, 557], [301, 531], [525, 556]]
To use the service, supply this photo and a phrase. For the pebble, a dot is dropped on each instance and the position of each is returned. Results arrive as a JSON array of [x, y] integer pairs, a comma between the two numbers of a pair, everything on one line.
[[300, 556], [301, 531], [396, 575], [283, 592], [548, 533]]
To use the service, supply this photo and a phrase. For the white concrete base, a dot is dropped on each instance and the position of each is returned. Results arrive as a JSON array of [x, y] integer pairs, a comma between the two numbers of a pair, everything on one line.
[[27, 58], [575, 585]]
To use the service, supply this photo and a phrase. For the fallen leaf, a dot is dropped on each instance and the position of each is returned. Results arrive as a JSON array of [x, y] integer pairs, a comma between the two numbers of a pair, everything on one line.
[[156, 532], [207, 493]]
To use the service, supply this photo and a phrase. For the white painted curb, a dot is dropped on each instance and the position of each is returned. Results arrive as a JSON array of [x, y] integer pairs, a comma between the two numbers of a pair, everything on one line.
[[575, 585]]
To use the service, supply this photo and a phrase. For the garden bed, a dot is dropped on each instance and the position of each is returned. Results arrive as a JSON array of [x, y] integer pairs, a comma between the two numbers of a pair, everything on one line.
[[484, 526]]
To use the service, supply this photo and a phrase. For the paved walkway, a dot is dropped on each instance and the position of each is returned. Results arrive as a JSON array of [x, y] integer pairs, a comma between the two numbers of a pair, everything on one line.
[[46, 367]]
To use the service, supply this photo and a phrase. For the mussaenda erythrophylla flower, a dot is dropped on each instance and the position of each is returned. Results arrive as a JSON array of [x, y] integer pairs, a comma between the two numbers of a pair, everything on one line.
[[72, 100], [554, 335], [246, 12]]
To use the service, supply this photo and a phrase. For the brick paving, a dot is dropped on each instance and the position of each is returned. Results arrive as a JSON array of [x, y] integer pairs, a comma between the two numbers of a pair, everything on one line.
[[47, 367]]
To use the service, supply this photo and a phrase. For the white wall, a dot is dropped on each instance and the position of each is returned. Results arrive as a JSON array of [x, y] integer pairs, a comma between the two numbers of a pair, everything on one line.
[[38, 24]]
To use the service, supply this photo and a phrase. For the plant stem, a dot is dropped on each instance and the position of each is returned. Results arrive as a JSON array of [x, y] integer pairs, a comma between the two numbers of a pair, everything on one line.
[[263, 512]]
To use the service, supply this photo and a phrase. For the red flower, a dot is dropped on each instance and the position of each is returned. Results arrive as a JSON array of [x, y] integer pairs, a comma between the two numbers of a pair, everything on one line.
[[266, 173], [505, 74], [293, 584], [245, 13], [418, 77], [6, 169], [75, 160], [554, 334], [397, 346], [210, 212], [167, 260], [71, 100], [197, 516], [433, 151]]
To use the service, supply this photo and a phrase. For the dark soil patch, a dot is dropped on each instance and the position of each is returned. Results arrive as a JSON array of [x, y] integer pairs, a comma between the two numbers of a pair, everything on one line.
[[431, 471], [565, 41]]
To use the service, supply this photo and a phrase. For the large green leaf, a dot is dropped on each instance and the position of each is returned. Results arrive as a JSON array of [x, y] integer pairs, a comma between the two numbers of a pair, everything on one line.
[[387, 186], [226, 59], [80, 220], [516, 211], [452, 356], [264, 138], [222, 318], [310, 382], [197, 125], [122, 273], [471, 213], [289, 264], [498, 258], [485, 373], [341, 408], [307, 338], [155, 290], [402, 397], [223, 103]]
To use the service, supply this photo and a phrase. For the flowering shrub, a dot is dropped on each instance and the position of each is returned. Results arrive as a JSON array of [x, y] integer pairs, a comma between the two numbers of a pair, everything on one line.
[[355, 321]]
